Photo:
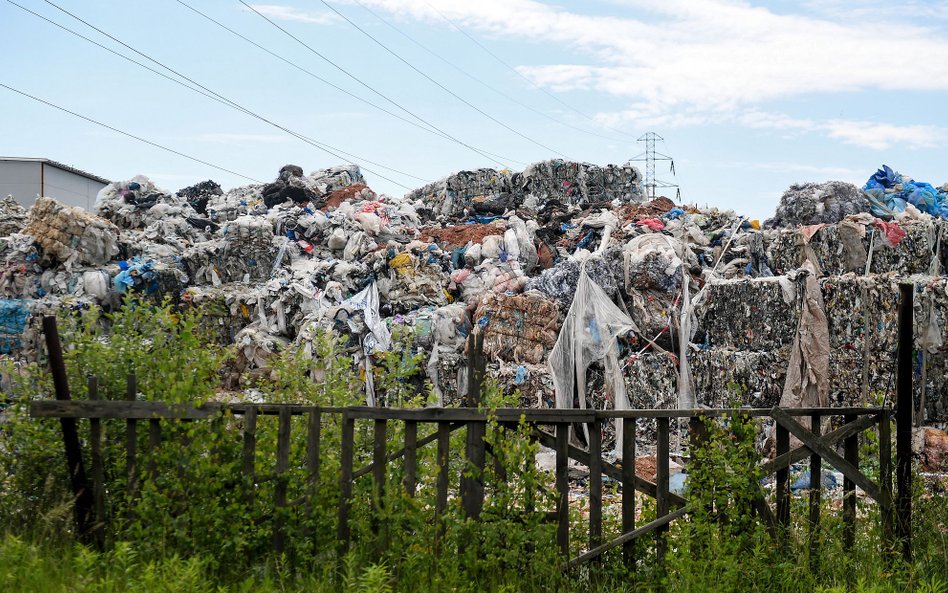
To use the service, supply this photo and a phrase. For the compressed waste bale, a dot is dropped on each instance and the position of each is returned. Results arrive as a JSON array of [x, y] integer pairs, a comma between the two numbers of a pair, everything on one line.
[[199, 194], [13, 216], [843, 248], [750, 313], [458, 236], [518, 328], [725, 378], [531, 381], [21, 271], [249, 249], [71, 235], [559, 282], [818, 203]]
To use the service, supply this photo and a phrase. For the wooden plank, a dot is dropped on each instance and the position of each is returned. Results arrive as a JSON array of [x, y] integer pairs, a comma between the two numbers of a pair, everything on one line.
[[472, 480], [831, 438], [829, 455], [661, 482], [131, 446], [139, 410], [885, 481], [851, 453], [610, 469], [98, 468], [250, 453], [595, 484], [783, 481], [411, 457], [145, 410], [816, 488], [441, 497], [81, 488], [367, 469], [280, 489], [346, 454], [562, 488], [719, 412], [380, 436], [626, 537], [432, 415], [627, 478]]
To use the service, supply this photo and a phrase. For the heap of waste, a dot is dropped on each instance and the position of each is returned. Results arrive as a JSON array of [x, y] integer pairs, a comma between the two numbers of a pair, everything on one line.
[[587, 293]]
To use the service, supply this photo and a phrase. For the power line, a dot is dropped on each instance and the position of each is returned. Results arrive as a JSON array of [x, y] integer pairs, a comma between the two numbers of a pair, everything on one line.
[[517, 72], [479, 80], [283, 59], [490, 156], [438, 84], [124, 133], [316, 144]]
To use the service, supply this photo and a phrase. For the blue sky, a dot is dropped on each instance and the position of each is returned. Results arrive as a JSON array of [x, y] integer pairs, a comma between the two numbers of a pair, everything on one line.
[[749, 97]]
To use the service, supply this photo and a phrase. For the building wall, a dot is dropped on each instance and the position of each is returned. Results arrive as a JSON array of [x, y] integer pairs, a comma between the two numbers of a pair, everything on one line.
[[24, 180], [70, 188], [21, 179]]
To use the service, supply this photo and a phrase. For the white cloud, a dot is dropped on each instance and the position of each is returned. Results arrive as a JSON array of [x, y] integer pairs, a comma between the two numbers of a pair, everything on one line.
[[688, 62], [279, 12]]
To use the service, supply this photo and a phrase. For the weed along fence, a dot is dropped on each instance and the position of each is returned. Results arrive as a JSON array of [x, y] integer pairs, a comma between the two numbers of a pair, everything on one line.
[[433, 427], [298, 450]]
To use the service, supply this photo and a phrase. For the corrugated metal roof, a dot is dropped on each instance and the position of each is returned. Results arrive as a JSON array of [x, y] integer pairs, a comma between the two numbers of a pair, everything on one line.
[[58, 165]]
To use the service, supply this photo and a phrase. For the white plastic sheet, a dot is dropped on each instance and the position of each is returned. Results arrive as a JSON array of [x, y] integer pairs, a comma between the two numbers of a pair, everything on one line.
[[589, 334]]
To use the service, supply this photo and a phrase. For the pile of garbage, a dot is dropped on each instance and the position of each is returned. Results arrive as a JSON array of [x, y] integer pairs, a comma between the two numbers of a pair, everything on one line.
[[587, 293]]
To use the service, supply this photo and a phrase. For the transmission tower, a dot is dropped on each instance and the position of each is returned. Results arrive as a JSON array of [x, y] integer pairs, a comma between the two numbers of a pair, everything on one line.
[[649, 157]]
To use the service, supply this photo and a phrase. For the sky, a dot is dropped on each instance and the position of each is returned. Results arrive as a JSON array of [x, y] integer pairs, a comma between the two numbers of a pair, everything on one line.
[[748, 97]]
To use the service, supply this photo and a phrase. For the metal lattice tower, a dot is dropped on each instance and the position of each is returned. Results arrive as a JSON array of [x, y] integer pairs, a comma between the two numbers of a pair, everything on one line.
[[649, 157]]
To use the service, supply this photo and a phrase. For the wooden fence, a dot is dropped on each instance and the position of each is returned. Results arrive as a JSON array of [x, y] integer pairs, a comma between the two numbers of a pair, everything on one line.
[[550, 427]]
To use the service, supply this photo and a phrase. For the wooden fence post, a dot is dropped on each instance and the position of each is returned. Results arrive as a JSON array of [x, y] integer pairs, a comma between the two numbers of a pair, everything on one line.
[[885, 482], [816, 487], [472, 481], [595, 484], [903, 419], [250, 452], [851, 454], [628, 489], [346, 455], [131, 446], [411, 457], [783, 483], [81, 489], [98, 468], [661, 483], [282, 466]]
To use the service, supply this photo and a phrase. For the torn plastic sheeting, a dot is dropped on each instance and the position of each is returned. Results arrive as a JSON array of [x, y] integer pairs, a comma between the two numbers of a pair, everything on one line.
[[589, 334]]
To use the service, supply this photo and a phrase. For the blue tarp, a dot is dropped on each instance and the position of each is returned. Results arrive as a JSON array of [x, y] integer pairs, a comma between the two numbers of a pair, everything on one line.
[[889, 192], [14, 314]]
